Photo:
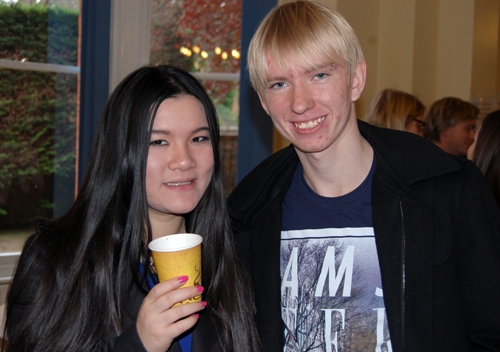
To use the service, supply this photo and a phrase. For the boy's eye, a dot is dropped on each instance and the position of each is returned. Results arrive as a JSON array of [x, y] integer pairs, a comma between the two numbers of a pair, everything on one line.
[[321, 75], [278, 85]]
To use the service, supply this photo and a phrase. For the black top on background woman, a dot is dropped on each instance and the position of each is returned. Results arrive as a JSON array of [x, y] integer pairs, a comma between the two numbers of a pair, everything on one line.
[[155, 170], [486, 152]]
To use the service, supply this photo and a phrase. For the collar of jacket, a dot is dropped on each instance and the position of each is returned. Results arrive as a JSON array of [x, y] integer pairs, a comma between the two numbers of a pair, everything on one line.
[[408, 158], [417, 161], [266, 183]]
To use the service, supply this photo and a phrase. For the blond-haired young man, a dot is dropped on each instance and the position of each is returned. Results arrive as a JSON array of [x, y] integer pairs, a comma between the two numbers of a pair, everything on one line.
[[357, 237]]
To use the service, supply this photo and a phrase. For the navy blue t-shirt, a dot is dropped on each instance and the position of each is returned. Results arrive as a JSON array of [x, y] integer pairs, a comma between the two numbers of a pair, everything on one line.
[[332, 297]]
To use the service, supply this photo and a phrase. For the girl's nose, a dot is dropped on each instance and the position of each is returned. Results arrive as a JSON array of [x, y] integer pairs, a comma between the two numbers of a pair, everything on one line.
[[181, 158]]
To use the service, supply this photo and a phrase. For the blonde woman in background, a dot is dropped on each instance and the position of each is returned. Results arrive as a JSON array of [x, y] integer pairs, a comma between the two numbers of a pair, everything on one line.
[[397, 110]]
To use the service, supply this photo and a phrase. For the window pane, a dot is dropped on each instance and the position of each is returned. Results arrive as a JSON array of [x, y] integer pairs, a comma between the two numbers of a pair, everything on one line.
[[39, 33], [38, 114], [196, 35], [225, 96], [37, 145], [201, 36]]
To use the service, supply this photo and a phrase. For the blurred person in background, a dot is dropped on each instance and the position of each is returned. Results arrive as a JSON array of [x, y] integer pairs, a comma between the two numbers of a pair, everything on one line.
[[450, 123], [486, 151], [397, 110]]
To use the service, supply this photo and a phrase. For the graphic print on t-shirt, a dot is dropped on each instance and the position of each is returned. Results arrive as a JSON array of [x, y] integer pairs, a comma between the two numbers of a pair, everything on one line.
[[331, 292]]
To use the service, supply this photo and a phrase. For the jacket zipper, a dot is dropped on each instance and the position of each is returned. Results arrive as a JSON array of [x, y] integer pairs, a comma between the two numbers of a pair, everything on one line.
[[403, 276]]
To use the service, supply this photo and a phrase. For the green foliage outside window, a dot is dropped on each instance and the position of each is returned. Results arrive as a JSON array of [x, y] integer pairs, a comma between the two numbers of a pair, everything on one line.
[[37, 110]]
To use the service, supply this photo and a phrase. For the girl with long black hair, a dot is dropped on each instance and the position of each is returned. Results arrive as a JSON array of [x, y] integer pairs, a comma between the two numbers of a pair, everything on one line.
[[84, 280]]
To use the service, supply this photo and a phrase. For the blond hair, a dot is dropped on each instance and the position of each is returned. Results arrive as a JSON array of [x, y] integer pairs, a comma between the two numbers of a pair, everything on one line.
[[394, 109], [305, 33]]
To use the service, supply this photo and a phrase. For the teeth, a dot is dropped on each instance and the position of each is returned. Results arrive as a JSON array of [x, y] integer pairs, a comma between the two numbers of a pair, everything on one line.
[[178, 183], [309, 124]]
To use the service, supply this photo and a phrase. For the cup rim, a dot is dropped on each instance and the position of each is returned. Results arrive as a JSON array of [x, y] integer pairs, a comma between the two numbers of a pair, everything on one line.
[[192, 241]]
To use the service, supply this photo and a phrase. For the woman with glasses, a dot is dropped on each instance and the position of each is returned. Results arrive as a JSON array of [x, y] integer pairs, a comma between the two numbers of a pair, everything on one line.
[[397, 110]]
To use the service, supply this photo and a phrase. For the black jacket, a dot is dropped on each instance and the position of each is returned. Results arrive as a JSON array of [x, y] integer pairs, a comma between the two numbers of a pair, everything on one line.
[[205, 338], [437, 231]]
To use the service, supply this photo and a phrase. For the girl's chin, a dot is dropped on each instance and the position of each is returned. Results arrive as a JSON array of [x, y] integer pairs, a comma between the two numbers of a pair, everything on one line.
[[170, 209]]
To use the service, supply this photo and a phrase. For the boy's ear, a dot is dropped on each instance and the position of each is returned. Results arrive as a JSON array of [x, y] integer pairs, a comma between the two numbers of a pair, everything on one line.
[[263, 103], [358, 81]]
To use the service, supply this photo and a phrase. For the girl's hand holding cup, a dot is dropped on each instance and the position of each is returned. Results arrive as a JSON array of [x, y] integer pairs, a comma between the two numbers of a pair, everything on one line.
[[176, 255], [161, 319], [170, 307]]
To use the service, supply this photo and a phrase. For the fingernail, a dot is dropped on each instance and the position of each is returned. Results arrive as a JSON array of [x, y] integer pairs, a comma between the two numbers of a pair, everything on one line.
[[203, 304], [183, 278], [200, 288], [197, 315]]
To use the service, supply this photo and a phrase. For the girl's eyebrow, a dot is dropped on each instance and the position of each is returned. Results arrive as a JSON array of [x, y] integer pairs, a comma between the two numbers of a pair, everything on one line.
[[160, 131], [196, 130], [201, 129]]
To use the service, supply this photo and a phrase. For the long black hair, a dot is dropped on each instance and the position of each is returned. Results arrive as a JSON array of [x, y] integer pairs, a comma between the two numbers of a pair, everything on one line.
[[101, 241], [487, 152]]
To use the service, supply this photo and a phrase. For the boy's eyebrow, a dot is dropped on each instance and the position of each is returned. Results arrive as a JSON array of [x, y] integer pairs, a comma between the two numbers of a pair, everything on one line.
[[328, 66], [321, 67], [277, 78]]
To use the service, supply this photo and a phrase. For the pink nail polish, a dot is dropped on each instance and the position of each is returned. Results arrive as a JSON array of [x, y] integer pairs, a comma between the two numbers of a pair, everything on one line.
[[200, 288], [197, 315], [183, 278], [204, 304]]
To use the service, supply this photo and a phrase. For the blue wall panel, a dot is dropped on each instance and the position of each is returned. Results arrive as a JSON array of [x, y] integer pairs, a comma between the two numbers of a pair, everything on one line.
[[255, 138], [96, 31]]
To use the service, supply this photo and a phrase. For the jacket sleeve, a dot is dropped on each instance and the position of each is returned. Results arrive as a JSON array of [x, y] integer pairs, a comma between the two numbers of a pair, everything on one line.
[[478, 246], [128, 340]]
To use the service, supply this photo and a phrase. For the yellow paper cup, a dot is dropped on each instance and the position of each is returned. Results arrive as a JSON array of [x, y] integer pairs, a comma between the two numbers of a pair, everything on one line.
[[177, 255]]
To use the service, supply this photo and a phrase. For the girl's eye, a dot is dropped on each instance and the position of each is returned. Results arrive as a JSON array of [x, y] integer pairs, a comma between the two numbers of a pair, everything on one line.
[[321, 75], [201, 139], [159, 142]]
